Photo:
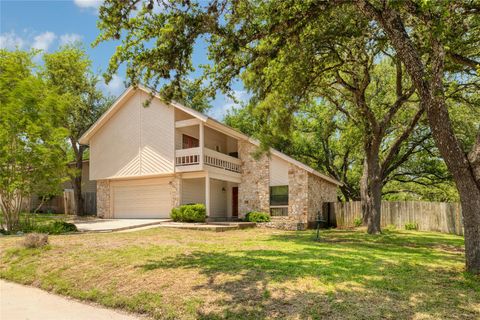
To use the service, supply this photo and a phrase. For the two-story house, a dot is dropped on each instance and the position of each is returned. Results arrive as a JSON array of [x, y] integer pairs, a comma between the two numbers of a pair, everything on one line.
[[147, 160]]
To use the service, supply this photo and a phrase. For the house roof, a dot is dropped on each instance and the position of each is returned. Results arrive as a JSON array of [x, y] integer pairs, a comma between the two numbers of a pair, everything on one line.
[[85, 138]]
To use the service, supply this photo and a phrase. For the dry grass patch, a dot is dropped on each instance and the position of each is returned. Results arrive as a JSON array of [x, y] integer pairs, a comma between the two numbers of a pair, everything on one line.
[[255, 273]]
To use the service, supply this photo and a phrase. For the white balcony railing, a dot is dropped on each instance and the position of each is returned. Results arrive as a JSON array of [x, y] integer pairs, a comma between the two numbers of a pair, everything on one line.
[[186, 158], [222, 161]]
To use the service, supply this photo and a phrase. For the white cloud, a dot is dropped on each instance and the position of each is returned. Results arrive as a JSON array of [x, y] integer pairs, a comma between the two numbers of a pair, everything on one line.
[[70, 38], [88, 4], [11, 41], [115, 87], [44, 40], [220, 108]]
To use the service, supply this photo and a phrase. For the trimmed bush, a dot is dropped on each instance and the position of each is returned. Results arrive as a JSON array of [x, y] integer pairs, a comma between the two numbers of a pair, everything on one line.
[[357, 222], [189, 213], [411, 226], [255, 216], [35, 240]]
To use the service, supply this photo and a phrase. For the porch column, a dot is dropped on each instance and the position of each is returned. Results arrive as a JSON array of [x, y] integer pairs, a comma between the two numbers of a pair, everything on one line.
[[207, 194], [202, 143]]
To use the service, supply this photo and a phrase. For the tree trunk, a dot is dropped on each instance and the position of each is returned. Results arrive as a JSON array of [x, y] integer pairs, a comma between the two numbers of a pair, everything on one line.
[[431, 92], [462, 170], [371, 191], [470, 201], [77, 179]]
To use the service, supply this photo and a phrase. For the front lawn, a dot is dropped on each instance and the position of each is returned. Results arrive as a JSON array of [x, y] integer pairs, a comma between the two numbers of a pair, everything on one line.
[[254, 273]]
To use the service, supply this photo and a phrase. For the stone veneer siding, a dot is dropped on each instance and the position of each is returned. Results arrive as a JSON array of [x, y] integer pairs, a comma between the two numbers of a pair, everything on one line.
[[254, 188], [103, 199], [319, 191], [306, 195], [297, 196], [176, 191]]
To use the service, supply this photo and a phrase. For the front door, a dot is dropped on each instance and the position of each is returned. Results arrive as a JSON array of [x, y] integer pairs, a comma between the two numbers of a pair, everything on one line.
[[235, 202]]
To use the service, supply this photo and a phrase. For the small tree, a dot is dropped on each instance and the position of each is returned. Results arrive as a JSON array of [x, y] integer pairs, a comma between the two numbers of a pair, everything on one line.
[[31, 139], [68, 70]]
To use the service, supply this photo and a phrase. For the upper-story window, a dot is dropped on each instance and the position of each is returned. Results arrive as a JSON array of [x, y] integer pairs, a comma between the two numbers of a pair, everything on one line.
[[189, 142]]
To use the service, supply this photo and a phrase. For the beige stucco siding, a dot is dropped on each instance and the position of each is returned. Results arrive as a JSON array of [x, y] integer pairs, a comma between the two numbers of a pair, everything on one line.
[[278, 172], [218, 198], [136, 141], [193, 191], [215, 140]]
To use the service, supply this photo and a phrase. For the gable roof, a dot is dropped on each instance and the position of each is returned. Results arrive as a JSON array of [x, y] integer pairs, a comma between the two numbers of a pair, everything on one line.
[[85, 138]]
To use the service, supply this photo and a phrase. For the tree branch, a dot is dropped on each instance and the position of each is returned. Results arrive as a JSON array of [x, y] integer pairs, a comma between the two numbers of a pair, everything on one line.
[[387, 163], [465, 61]]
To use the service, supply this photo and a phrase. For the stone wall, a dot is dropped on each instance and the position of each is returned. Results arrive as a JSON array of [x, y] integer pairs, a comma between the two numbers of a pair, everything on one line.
[[254, 189], [103, 199], [298, 196], [319, 191], [283, 223], [176, 191]]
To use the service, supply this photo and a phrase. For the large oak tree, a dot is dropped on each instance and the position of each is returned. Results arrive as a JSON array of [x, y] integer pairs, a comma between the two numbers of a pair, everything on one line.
[[251, 40]]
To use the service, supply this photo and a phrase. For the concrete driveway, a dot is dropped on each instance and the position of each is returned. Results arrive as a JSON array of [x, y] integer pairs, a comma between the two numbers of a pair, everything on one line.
[[22, 303], [117, 224]]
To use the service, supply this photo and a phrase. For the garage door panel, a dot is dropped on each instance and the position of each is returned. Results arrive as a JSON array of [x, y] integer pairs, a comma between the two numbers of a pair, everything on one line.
[[139, 200]]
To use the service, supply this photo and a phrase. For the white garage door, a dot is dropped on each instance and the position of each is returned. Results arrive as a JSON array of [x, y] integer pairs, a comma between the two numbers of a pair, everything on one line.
[[142, 199]]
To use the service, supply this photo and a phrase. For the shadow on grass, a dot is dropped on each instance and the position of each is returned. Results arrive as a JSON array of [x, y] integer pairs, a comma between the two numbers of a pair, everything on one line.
[[347, 276]]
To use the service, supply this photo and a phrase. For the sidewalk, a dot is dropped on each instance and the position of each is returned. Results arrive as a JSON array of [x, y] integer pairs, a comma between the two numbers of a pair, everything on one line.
[[22, 303]]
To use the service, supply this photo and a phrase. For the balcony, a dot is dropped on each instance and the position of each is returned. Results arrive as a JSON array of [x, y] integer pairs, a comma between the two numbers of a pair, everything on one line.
[[196, 159]]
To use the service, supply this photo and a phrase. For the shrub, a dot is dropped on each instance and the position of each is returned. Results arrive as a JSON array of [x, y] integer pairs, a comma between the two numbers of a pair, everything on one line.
[[390, 227], [357, 222], [56, 227], [411, 226], [35, 240], [255, 216], [176, 214], [189, 213]]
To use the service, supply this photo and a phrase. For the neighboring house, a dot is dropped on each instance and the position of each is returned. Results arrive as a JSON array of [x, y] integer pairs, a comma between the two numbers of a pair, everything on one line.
[[87, 184], [147, 160], [64, 203]]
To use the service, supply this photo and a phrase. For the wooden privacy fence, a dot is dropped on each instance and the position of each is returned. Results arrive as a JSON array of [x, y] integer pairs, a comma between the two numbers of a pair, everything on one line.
[[64, 203], [89, 202], [429, 216]]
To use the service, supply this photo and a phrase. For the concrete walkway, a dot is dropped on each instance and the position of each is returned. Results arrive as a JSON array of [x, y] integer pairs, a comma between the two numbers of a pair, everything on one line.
[[107, 225], [21, 303]]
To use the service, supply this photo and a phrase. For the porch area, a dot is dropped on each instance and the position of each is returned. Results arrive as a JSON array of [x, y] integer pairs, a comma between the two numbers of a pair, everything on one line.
[[218, 194]]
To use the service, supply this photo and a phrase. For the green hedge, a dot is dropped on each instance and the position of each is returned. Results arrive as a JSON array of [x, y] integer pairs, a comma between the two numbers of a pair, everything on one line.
[[189, 213], [49, 227], [57, 227], [255, 216]]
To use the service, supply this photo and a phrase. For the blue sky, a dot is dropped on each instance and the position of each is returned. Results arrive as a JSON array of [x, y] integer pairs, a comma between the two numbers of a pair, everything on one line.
[[48, 24]]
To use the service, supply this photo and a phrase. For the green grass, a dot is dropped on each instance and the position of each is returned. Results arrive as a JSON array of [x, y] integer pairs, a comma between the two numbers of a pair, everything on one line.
[[252, 274]]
